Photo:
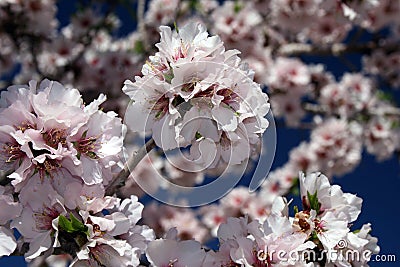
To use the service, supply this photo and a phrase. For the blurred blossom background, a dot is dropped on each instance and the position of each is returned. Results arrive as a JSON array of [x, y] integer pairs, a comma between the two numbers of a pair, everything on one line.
[[331, 70]]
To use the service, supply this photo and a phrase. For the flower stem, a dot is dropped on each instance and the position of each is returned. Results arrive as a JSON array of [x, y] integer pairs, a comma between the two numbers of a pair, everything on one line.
[[130, 165]]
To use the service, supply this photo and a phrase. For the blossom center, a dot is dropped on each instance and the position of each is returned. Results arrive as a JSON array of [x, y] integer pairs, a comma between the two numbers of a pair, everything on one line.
[[54, 137], [47, 167], [45, 218], [319, 225], [161, 106], [230, 97], [190, 85], [13, 152], [25, 126], [301, 221], [88, 146]]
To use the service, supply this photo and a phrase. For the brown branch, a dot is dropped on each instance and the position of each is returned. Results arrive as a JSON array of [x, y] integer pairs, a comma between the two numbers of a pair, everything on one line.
[[318, 109], [297, 49], [141, 26], [133, 161]]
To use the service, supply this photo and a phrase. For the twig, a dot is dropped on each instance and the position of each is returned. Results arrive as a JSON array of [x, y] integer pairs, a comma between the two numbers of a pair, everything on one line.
[[317, 109], [348, 63], [141, 24], [33, 51], [297, 49], [132, 162], [314, 108]]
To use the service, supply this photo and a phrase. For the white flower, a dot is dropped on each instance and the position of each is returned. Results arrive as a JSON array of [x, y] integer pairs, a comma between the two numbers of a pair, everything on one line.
[[41, 208], [7, 242], [327, 198], [113, 239], [169, 252], [9, 208], [46, 129], [194, 93]]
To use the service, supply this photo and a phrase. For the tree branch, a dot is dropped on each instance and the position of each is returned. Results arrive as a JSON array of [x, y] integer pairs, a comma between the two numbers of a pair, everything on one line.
[[141, 26], [318, 109], [131, 164], [297, 49]]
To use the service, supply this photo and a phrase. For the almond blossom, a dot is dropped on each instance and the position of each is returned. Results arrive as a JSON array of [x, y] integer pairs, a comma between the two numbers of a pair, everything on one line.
[[113, 239], [193, 92], [38, 221], [173, 252], [281, 240], [47, 130]]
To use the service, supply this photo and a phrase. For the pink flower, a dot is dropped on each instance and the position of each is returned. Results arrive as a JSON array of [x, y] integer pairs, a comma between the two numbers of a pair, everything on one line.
[[9, 208], [239, 25], [194, 93], [162, 218], [37, 224], [113, 239], [169, 252], [46, 129]]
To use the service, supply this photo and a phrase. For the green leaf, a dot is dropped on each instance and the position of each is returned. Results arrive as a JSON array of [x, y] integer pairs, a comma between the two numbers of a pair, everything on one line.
[[385, 96], [65, 224], [237, 7], [169, 76], [139, 47], [395, 124], [176, 27], [296, 209], [73, 225], [77, 224], [294, 188], [198, 135], [314, 203], [314, 236], [193, 4]]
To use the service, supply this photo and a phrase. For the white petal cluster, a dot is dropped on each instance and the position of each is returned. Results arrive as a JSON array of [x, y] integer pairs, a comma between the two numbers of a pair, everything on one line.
[[113, 239], [58, 155], [194, 93], [46, 130], [310, 238]]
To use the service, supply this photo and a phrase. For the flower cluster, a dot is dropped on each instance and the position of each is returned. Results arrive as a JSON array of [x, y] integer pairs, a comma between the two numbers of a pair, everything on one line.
[[161, 218], [47, 132], [50, 223], [278, 239], [193, 92], [59, 155]]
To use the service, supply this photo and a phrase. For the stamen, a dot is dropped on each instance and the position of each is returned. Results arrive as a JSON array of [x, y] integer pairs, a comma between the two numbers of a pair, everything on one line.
[[47, 167], [13, 152], [55, 136], [25, 125], [44, 220], [230, 96], [161, 106], [88, 146], [172, 262]]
